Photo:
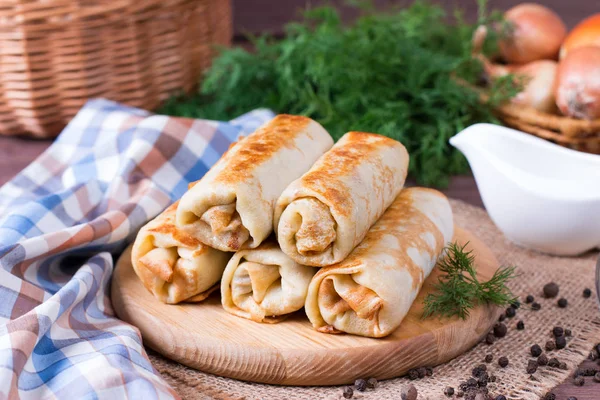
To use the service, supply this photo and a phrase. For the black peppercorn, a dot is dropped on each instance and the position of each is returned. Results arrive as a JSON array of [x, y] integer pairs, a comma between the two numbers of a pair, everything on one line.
[[449, 391], [520, 325], [422, 372], [502, 317], [542, 360], [472, 382], [587, 293], [360, 385], [372, 383], [536, 306], [562, 303], [563, 365], [428, 371], [568, 332], [532, 366], [579, 381], [550, 345], [589, 372], [553, 362], [490, 338], [503, 362], [550, 290], [558, 331], [500, 330], [515, 304], [536, 350], [413, 374], [348, 392], [550, 396], [561, 342], [597, 377], [460, 393], [489, 358], [511, 312], [529, 299], [500, 397], [493, 378]]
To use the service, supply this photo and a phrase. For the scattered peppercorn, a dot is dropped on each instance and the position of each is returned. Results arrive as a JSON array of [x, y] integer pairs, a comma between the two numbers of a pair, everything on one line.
[[489, 358], [409, 393], [500, 330], [529, 299], [372, 383], [503, 362], [360, 385], [561, 342], [568, 332], [550, 345], [493, 378], [502, 317], [536, 350], [472, 382], [587, 293], [536, 306], [449, 391], [579, 381], [562, 303], [511, 312], [542, 360], [563, 365], [553, 362], [348, 392], [460, 393], [597, 377], [413, 374], [520, 325], [550, 290], [586, 371], [532, 366], [515, 304], [558, 331], [422, 372], [428, 371], [490, 338], [500, 397], [550, 396]]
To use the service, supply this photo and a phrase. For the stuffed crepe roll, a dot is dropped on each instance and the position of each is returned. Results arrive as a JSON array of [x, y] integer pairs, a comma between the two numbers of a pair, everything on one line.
[[323, 215], [174, 266], [264, 284], [370, 292], [231, 207]]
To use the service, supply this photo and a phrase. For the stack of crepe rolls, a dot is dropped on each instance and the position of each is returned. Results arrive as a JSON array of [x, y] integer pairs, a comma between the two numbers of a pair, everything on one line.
[[327, 212], [231, 207], [371, 291], [264, 284], [173, 265]]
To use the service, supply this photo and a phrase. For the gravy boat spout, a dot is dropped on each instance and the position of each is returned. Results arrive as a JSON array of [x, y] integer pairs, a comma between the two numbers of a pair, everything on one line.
[[541, 195]]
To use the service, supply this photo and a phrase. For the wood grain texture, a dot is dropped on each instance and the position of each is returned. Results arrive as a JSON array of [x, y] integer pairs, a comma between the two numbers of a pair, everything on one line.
[[205, 337]]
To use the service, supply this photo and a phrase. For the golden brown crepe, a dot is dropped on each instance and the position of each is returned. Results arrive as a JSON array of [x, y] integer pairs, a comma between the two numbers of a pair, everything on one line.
[[231, 207], [323, 215], [174, 266], [370, 292], [264, 284]]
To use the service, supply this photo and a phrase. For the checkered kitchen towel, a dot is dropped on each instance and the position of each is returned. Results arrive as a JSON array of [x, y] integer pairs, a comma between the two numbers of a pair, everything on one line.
[[61, 221]]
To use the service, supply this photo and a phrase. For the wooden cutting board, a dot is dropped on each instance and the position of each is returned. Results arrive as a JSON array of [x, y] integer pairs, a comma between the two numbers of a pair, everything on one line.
[[205, 337]]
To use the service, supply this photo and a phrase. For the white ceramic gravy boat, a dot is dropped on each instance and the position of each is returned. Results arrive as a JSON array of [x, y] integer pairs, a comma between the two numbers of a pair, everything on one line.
[[541, 195]]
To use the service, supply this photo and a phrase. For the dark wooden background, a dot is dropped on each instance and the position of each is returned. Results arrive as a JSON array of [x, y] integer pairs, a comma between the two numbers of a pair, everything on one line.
[[256, 16]]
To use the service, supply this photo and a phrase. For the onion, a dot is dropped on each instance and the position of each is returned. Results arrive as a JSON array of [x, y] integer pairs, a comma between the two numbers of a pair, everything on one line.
[[539, 81], [578, 83], [586, 33], [536, 33]]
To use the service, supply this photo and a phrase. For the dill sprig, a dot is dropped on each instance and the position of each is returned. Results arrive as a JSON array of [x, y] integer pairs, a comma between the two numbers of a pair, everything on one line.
[[390, 73], [458, 290]]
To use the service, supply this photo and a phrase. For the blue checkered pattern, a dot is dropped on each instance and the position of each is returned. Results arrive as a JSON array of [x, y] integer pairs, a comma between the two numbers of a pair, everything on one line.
[[61, 222]]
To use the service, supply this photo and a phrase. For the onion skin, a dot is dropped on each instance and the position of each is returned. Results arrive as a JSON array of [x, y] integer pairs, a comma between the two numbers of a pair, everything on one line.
[[536, 34], [578, 83], [539, 82], [586, 33]]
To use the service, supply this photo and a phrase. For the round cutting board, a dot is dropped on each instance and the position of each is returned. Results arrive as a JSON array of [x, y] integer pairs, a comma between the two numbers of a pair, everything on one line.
[[205, 337]]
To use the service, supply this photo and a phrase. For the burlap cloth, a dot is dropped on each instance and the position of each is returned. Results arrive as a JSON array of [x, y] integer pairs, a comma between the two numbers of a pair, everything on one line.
[[582, 316]]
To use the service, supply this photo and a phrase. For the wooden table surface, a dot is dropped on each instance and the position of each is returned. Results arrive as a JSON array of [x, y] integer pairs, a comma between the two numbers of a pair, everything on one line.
[[269, 16]]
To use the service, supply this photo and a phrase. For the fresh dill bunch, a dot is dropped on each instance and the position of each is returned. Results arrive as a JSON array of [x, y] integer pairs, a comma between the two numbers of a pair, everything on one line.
[[458, 290], [388, 73]]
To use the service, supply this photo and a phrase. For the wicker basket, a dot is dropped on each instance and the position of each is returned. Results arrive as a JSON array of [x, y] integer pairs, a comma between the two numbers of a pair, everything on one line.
[[56, 54], [573, 133]]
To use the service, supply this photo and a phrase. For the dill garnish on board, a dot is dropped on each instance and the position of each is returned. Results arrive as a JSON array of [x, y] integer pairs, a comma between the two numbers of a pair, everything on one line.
[[390, 73], [458, 290]]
